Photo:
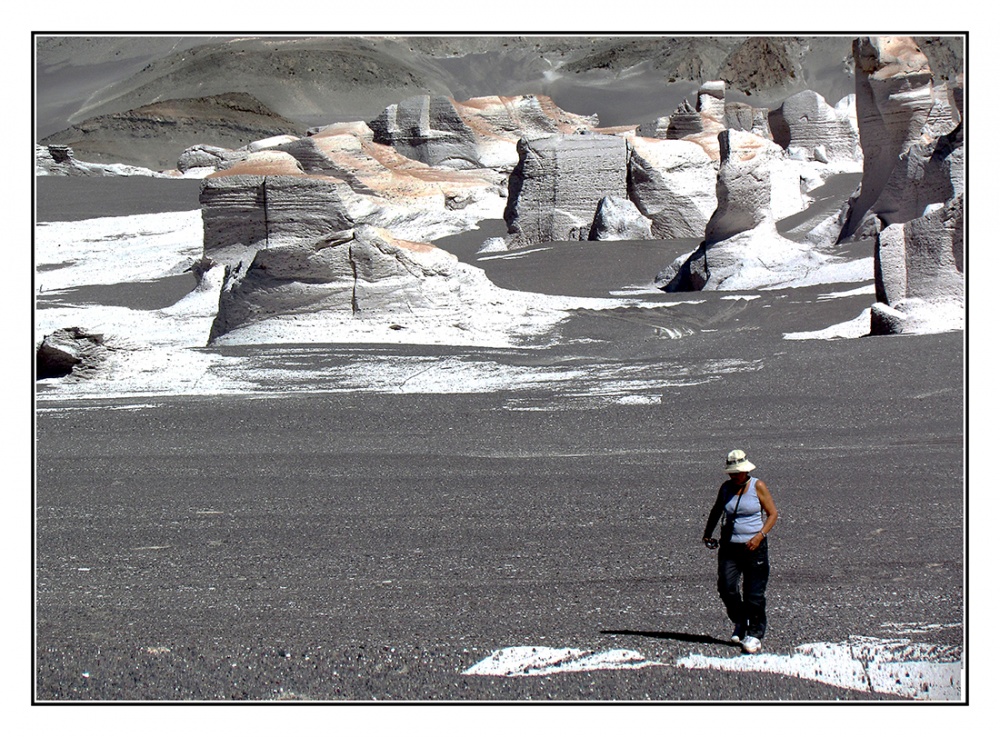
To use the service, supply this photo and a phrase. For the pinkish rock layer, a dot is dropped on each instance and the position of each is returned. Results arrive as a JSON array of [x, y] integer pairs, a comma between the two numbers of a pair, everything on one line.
[[481, 132]]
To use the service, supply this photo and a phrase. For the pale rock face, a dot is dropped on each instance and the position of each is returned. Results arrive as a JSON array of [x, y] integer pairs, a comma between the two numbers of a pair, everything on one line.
[[367, 285], [744, 185], [898, 106], [266, 200], [207, 157], [478, 133], [821, 132], [759, 258], [673, 184], [618, 219], [712, 115], [919, 268], [554, 191], [742, 248], [331, 181]]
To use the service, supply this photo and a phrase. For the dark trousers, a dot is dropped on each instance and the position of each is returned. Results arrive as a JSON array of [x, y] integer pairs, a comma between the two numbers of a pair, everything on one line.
[[746, 611]]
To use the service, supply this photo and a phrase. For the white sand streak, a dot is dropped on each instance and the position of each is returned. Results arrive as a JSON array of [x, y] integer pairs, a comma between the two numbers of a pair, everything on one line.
[[512, 662], [893, 667]]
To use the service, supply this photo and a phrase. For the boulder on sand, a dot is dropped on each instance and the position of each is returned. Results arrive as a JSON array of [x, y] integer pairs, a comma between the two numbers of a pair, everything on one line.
[[68, 351]]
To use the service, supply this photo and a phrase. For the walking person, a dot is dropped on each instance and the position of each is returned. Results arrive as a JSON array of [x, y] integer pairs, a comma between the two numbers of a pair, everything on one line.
[[748, 511]]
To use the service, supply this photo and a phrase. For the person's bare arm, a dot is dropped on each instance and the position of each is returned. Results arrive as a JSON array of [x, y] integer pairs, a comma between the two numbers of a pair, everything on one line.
[[767, 503]]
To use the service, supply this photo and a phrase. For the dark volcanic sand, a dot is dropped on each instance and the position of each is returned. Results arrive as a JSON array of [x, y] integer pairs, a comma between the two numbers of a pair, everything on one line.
[[81, 198], [359, 546]]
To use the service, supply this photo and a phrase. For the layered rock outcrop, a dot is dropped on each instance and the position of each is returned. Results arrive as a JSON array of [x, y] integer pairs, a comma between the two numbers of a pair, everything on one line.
[[558, 183], [57, 160], [481, 132], [267, 200], [811, 130], [711, 115], [672, 182], [365, 284], [153, 131], [306, 188]]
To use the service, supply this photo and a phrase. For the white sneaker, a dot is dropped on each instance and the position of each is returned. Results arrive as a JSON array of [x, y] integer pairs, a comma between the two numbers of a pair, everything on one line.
[[751, 645], [737, 636]]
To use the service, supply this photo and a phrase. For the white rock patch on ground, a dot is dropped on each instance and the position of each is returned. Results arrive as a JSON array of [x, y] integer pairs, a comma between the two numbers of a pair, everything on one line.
[[897, 667]]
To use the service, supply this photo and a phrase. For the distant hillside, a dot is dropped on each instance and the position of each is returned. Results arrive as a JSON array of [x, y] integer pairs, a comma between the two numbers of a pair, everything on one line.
[[85, 81]]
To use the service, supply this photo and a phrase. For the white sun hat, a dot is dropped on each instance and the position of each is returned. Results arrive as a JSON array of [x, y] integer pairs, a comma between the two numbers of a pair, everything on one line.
[[737, 461]]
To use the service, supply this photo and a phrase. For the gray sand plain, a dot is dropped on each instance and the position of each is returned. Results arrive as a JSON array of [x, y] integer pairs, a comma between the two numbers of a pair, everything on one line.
[[309, 543]]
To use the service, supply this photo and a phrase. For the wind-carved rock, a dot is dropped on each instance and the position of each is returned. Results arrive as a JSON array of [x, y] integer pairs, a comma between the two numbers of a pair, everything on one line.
[[267, 200], [744, 185], [69, 351], [58, 160], [478, 133], [912, 193], [812, 130], [742, 248], [898, 106], [557, 184], [673, 184], [307, 188], [703, 123], [618, 219], [366, 285], [919, 273]]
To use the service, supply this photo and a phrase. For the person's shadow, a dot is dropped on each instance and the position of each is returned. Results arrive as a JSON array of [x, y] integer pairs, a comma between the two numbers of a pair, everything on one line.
[[679, 636]]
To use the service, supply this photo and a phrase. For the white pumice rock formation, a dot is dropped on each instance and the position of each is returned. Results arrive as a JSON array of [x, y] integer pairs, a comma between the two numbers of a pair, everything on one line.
[[478, 133], [672, 182], [331, 181], [212, 158], [266, 200], [759, 258], [919, 273], [366, 285], [812, 130], [703, 123], [744, 189], [912, 193], [898, 107], [554, 191], [617, 219], [742, 247]]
